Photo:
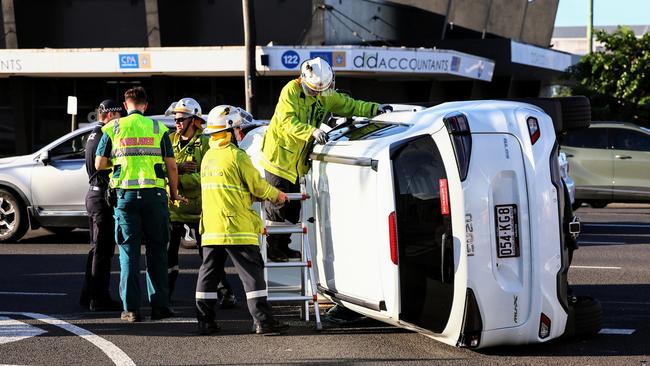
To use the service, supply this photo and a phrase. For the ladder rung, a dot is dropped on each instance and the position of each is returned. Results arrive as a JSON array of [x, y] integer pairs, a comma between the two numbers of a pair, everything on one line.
[[287, 264], [285, 229], [297, 196], [291, 298], [284, 288]]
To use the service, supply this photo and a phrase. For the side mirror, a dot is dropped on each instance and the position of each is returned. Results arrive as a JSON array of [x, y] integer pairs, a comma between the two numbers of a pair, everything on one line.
[[44, 157]]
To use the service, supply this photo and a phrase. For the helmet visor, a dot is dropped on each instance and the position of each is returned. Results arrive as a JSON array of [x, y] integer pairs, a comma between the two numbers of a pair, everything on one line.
[[314, 92]]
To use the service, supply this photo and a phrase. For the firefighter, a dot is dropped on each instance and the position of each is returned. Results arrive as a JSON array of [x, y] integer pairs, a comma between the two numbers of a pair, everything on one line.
[[229, 183], [190, 145], [95, 294], [304, 104], [138, 150]]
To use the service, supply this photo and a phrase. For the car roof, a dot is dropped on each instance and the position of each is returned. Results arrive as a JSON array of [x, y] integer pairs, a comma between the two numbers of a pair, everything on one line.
[[600, 124]]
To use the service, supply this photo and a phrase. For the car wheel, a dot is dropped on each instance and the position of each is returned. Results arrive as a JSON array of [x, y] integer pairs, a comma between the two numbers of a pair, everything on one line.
[[13, 217], [576, 112], [585, 317]]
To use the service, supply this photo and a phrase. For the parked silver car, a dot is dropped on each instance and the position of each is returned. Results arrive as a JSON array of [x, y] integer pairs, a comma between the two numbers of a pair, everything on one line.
[[47, 188]]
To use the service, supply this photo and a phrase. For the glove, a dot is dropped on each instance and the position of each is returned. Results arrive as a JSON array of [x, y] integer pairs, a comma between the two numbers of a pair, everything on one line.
[[320, 136], [384, 108]]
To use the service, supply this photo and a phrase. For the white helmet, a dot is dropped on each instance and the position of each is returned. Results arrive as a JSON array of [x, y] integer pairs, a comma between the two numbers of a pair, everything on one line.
[[225, 117], [187, 106], [316, 76]]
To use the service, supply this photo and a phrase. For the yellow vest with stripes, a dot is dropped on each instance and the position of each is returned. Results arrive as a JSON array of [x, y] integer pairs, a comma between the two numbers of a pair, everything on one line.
[[136, 154], [229, 181]]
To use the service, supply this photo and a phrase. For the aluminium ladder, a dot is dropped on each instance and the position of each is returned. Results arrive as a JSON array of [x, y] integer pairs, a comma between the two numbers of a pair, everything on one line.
[[307, 288]]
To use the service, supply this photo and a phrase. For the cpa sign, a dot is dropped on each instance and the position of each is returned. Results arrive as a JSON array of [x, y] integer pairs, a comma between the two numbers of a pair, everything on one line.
[[134, 60]]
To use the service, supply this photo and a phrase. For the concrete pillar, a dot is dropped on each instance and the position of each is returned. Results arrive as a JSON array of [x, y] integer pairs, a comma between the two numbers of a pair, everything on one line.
[[9, 20], [153, 23]]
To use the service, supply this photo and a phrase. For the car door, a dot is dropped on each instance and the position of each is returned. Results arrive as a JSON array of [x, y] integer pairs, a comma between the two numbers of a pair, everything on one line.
[[591, 162], [59, 184], [631, 151]]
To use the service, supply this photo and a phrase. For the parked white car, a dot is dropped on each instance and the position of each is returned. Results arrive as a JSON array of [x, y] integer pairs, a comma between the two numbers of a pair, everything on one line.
[[452, 221]]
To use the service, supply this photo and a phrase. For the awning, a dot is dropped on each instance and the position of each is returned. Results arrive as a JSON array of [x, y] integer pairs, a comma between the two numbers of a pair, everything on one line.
[[229, 61]]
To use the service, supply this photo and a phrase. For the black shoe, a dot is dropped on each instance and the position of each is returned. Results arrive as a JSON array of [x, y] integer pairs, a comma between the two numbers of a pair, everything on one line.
[[275, 255], [131, 316], [342, 315], [206, 328], [228, 301], [164, 312], [291, 254], [271, 327], [105, 305]]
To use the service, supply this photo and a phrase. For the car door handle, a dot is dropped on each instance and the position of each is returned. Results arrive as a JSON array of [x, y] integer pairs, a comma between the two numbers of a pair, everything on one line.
[[622, 156]]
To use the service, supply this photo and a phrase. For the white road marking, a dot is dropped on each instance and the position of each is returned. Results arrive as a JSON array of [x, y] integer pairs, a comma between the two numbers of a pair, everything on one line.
[[13, 330], [33, 293], [112, 351], [595, 267], [626, 302], [617, 331], [601, 242]]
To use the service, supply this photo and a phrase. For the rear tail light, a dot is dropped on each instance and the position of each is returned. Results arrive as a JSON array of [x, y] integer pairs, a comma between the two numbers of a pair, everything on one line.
[[472, 323], [392, 230], [544, 326], [533, 129], [461, 139]]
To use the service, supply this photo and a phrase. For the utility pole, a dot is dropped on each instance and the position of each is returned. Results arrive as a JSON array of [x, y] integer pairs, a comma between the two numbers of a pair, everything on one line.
[[249, 44], [590, 28]]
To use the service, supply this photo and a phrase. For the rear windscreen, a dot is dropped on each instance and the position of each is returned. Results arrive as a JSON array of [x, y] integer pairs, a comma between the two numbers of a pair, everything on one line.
[[424, 237]]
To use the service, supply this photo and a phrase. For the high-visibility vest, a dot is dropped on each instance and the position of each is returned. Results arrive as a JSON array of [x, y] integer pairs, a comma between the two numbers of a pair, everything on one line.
[[189, 184], [288, 139], [136, 154], [229, 181]]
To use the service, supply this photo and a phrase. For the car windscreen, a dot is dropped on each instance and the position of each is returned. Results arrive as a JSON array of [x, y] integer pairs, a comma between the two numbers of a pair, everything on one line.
[[424, 236], [366, 130]]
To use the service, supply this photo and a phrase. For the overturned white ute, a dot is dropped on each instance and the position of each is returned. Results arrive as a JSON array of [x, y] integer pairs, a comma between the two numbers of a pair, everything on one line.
[[452, 221]]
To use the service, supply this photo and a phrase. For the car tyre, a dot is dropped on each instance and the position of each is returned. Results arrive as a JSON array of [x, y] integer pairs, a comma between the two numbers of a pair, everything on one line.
[[585, 317], [597, 204], [576, 112], [13, 217]]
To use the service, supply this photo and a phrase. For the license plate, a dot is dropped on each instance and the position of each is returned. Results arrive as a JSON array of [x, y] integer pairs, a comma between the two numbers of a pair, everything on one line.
[[507, 231]]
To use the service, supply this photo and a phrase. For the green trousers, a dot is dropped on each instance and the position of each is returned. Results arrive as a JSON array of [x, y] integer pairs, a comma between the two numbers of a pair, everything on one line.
[[142, 216]]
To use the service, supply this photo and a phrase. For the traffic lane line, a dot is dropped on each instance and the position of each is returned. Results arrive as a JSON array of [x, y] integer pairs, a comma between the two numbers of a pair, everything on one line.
[[17, 293], [113, 352], [12, 330], [617, 331]]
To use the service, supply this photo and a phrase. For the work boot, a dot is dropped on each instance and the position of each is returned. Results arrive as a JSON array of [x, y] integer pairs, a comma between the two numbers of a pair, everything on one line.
[[163, 312], [291, 254], [341, 315], [207, 328], [271, 327], [131, 316], [275, 255], [107, 304], [228, 300]]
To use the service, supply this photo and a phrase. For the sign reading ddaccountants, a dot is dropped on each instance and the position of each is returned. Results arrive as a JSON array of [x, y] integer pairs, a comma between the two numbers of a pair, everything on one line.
[[384, 60]]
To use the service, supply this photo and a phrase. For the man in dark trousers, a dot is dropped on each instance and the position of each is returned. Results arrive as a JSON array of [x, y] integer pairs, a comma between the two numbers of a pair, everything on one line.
[[95, 293]]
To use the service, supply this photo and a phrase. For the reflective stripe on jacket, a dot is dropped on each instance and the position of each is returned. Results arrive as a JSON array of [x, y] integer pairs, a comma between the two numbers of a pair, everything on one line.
[[229, 182], [189, 184], [136, 154], [288, 139]]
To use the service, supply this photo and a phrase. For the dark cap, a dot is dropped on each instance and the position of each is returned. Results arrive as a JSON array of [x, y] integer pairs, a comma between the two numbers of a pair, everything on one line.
[[109, 105]]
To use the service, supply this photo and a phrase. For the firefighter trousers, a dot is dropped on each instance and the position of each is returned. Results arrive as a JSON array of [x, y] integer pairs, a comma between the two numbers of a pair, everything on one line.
[[250, 267]]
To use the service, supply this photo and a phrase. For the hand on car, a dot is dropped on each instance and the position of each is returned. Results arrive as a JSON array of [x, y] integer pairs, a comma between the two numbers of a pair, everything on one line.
[[320, 136], [187, 167], [384, 108]]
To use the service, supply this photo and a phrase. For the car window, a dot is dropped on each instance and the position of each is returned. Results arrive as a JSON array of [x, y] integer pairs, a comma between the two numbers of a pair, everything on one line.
[[624, 139], [591, 138], [73, 148], [367, 131], [426, 254]]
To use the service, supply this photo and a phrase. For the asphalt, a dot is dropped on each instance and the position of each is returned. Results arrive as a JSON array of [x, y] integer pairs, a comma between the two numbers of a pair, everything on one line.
[[611, 265]]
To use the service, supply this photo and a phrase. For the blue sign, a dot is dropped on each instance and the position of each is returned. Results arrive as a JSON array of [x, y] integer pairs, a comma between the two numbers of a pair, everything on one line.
[[327, 56], [290, 59], [129, 61]]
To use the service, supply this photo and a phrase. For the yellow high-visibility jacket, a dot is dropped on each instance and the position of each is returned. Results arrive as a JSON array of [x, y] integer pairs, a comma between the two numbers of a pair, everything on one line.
[[189, 184], [229, 181], [288, 139]]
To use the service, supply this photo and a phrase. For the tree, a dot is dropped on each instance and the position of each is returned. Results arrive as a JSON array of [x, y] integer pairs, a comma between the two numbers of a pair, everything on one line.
[[617, 79]]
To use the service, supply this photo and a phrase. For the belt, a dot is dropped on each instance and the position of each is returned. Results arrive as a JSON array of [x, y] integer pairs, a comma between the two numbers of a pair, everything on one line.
[[97, 188]]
